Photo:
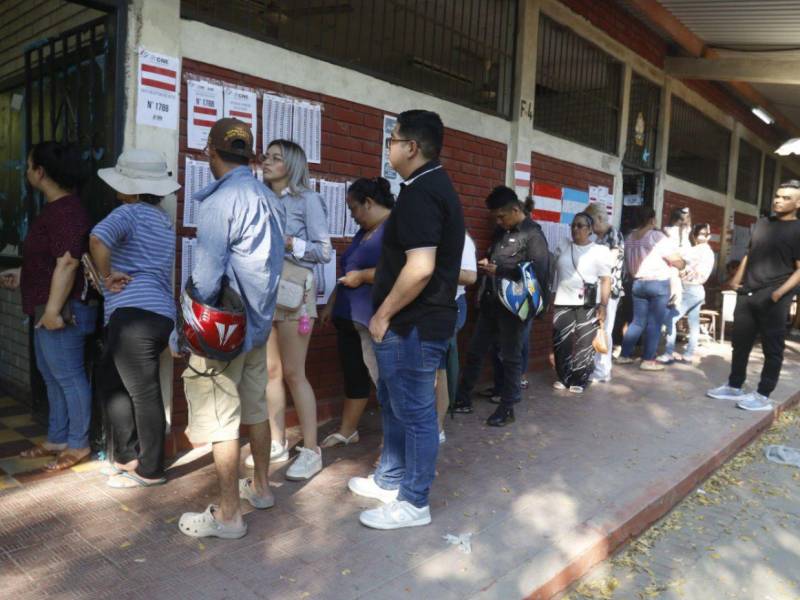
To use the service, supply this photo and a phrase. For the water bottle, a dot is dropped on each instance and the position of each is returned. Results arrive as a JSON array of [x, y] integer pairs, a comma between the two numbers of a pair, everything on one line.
[[304, 323]]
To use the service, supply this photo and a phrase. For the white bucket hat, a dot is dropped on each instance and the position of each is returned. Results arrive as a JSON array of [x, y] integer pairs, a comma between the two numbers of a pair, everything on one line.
[[140, 172]]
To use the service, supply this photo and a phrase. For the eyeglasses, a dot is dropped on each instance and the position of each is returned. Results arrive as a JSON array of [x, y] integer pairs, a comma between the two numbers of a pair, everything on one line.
[[392, 140]]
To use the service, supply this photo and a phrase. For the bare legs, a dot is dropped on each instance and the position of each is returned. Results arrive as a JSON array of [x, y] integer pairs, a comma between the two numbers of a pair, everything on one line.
[[351, 415], [276, 393]]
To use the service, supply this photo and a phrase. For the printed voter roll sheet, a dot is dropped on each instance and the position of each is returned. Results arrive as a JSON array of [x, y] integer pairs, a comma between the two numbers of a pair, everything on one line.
[[333, 194], [276, 119], [203, 109], [187, 259], [197, 175], [350, 226], [157, 90], [325, 276], [242, 104], [307, 128]]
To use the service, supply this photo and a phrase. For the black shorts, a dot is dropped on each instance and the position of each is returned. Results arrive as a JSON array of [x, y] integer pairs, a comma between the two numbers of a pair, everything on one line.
[[356, 376]]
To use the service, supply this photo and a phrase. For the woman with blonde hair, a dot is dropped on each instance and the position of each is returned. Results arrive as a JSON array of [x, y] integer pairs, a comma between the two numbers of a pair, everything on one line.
[[307, 244]]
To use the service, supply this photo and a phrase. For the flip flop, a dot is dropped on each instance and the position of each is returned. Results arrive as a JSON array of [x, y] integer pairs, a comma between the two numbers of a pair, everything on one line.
[[66, 460], [128, 479], [205, 525], [337, 439], [39, 451]]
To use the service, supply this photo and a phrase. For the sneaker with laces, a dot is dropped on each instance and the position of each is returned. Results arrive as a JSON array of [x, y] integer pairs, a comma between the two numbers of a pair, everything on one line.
[[307, 464], [277, 454], [726, 392], [396, 515], [755, 402], [366, 487]]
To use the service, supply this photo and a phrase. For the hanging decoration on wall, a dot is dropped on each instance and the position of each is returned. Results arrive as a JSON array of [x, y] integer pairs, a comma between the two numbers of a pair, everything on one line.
[[638, 130]]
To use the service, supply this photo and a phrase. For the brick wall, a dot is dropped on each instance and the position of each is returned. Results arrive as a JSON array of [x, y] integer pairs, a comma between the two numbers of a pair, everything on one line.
[[546, 169], [351, 148], [702, 212], [14, 367], [743, 220]]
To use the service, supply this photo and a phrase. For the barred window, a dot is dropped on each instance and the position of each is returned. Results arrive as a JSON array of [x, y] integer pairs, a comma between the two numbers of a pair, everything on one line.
[[645, 102], [768, 184], [698, 147], [747, 174], [578, 89], [460, 51]]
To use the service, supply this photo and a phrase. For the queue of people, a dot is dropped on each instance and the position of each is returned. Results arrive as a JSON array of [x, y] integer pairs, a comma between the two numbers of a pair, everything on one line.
[[248, 310]]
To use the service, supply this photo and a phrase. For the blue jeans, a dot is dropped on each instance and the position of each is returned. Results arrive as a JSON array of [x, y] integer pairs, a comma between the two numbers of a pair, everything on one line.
[[451, 354], [59, 358], [407, 371], [692, 300], [649, 305]]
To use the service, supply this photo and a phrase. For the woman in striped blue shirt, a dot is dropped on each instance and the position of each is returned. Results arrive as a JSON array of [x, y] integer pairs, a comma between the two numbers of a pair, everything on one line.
[[134, 251]]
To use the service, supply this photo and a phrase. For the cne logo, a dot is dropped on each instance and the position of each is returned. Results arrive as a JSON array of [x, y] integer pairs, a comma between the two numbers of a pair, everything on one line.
[[225, 332]]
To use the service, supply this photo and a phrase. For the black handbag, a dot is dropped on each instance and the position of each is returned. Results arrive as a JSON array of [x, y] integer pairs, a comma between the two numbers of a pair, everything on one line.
[[589, 294]]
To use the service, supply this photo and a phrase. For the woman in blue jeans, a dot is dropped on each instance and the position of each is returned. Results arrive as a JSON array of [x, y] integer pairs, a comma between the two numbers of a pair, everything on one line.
[[54, 295], [649, 254]]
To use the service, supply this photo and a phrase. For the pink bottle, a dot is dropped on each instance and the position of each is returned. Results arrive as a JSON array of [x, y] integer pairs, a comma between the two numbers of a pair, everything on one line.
[[304, 323]]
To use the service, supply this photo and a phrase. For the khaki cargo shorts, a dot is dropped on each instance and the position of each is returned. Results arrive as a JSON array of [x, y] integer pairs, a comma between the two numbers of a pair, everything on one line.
[[218, 404]]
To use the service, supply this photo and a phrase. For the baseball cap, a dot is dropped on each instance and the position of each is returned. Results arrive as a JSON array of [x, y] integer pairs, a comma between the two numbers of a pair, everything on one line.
[[232, 136]]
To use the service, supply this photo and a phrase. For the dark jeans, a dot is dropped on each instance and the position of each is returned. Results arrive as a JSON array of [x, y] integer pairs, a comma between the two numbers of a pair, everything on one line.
[[407, 372], [574, 330], [129, 384], [649, 307], [452, 349], [757, 315], [495, 325], [497, 363]]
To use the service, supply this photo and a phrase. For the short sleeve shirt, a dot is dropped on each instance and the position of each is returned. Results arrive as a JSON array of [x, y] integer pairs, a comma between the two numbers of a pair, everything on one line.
[[469, 262], [427, 215], [355, 304], [613, 240], [592, 261], [774, 251], [62, 226]]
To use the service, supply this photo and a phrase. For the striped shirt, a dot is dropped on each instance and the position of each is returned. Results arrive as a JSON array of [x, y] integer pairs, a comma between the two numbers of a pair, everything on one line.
[[142, 243]]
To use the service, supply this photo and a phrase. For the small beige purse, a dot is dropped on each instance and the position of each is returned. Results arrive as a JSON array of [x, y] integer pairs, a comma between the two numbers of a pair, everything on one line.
[[292, 286]]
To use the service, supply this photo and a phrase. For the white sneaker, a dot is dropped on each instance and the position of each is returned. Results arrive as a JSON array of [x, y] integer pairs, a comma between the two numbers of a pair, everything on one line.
[[666, 359], [277, 454], [396, 515], [576, 389], [557, 385], [754, 401], [442, 437], [307, 464], [597, 379], [726, 392], [366, 487]]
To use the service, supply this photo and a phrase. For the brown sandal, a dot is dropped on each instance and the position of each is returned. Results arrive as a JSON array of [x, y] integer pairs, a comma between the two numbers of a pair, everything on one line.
[[38, 451], [66, 460]]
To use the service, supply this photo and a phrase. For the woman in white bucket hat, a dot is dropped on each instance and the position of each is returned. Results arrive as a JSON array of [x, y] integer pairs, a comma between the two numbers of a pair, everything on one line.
[[134, 250]]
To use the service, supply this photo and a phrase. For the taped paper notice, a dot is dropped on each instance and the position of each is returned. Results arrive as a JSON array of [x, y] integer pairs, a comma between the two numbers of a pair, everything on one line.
[[242, 104], [276, 119], [157, 90], [333, 194], [197, 175], [187, 259], [203, 109], [307, 129]]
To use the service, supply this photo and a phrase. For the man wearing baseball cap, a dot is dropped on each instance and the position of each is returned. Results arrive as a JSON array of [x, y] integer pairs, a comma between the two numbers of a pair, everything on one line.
[[239, 243]]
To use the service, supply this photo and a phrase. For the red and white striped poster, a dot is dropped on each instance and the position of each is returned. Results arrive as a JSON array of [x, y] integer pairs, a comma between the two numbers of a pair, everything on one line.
[[158, 88], [242, 104], [547, 202], [203, 109]]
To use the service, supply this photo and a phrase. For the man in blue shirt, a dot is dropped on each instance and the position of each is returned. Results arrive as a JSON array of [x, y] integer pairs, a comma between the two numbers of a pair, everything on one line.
[[240, 239]]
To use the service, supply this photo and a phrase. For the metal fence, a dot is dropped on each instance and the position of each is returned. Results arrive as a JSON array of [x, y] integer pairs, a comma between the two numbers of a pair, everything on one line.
[[698, 147], [461, 51], [578, 88], [747, 173]]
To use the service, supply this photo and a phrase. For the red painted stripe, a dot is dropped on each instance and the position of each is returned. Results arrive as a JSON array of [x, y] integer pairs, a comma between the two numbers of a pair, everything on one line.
[[522, 167], [203, 123], [205, 111], [160, 71], [522, 182], [241, 113], [546, 215], [170, 87], [545, 189]]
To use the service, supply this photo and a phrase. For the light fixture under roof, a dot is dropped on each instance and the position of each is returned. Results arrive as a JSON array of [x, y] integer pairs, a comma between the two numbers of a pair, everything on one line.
[[763, 115], [791, 146]]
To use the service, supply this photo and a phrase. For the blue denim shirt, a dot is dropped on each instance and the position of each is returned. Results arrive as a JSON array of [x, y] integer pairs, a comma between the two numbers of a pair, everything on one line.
[[240, 235]]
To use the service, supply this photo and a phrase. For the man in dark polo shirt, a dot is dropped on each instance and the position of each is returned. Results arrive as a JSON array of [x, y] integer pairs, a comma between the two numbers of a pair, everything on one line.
[[415, 315], [766, 281]]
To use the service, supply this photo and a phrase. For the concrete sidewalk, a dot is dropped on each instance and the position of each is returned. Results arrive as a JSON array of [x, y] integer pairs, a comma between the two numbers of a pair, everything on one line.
[[545, 499]]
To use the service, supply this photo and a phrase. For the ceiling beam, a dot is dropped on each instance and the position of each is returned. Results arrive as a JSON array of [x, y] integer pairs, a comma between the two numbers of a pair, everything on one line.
[[756, 69], [696, 47]]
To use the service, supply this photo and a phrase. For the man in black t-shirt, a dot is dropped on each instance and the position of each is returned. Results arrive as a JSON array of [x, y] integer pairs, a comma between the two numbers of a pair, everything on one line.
[[767, 281], [415, 316]]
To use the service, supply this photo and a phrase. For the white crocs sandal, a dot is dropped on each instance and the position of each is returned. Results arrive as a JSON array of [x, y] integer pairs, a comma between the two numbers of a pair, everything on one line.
[[248, 492], [337, 439], [205, 525]]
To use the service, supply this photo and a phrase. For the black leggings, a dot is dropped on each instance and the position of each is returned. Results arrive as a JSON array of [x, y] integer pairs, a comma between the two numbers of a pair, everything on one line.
[[129, 384], [574, 328]]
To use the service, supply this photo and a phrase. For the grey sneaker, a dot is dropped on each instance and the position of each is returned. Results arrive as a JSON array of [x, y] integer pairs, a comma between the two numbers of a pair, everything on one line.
[[726, 392], [755, 402], [307, 464]]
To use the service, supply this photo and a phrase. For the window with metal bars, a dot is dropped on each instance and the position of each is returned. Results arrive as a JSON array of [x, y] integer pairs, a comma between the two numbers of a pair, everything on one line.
[[578, 88], [460, 51], [645, 102], [747, 173], [698, 147], [768, 185]]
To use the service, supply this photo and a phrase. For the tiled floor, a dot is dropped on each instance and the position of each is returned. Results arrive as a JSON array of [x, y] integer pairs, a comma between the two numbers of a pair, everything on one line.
[[18, 432]]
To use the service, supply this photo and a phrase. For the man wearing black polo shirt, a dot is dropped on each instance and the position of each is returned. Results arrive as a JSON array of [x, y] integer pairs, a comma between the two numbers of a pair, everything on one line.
[[414, 297], [767, 281]]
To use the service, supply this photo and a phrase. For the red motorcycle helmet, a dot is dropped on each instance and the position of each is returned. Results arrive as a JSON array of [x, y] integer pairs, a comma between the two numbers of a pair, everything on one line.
[[213, 331]]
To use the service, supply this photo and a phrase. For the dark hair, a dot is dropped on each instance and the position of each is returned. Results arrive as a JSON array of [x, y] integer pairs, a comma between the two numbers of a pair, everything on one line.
[[424, 127], [233, 159], [377, 188], [61, 162], [150, 199], [790, 183], [644, 215], [586, 216], [502, 197], [529, 205], [677, 214], [698, 227]]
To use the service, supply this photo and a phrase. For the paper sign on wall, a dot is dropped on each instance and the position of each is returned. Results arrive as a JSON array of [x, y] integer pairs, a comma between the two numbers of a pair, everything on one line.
[[157, 90], [334, 195], [242, 104], [188, 246], [276, 119], [387, 172], [203, 109], [325, 276], [307, 129], [196, 176]]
